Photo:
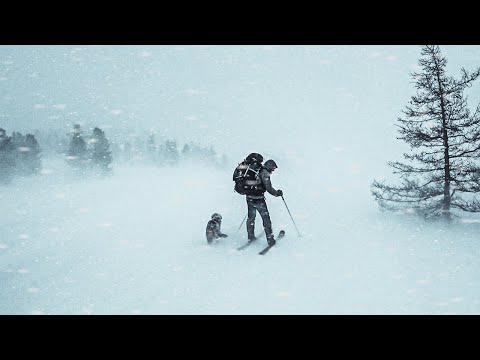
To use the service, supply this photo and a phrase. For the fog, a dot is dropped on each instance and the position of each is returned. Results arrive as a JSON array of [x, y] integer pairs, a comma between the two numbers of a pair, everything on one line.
[[134, 242]]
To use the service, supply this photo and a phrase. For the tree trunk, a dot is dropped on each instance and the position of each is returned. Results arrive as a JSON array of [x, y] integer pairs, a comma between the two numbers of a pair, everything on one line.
[[446, 185]]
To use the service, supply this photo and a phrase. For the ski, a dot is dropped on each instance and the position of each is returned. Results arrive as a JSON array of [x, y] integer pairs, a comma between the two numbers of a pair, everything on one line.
[[247, 244], [280, 235]]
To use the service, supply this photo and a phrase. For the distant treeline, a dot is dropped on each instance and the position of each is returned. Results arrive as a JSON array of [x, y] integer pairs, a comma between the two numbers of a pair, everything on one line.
[[94, 153], [19, 156]]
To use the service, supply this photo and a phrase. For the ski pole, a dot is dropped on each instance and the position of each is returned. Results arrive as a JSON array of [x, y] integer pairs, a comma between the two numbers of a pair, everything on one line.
[[291, 217], [242, 223]]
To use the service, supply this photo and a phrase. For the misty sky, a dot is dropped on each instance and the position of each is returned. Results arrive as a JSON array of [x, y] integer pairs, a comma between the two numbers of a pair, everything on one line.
[[232, 96]]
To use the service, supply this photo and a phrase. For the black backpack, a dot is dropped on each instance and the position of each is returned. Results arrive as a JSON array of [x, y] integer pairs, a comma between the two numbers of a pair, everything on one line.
[[244, 172]]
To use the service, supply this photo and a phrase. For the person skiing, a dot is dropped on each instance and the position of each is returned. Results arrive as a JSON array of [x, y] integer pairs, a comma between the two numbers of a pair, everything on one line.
[[213, 230], [255, 197]]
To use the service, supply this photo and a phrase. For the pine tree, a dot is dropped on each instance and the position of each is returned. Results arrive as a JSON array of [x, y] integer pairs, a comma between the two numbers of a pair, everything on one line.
[[444, 137], [7, 158], [186, 151], [171, 153], [127, 152], [77, 150], [151, 149], [30, 155], [35, 162], [100, 153]]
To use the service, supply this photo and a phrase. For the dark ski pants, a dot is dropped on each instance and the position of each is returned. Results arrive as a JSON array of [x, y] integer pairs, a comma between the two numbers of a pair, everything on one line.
[[261, 206]]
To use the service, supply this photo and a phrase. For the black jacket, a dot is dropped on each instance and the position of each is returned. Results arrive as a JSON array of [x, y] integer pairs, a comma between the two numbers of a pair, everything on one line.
[[265, 184]]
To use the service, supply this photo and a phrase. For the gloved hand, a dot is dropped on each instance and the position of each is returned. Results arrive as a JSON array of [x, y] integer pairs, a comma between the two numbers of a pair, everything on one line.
[[279, 193], [223, 235]]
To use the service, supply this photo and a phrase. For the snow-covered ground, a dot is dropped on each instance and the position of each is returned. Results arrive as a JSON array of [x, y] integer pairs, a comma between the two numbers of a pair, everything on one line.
[[134, 243]]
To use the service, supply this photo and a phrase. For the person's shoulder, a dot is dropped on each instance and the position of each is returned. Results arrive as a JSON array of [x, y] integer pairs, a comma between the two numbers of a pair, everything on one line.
[[264, 173]]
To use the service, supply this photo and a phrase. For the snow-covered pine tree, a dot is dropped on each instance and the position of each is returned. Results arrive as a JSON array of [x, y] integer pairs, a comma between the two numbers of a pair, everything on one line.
[[77, 149], [7, 158], [100, 153]]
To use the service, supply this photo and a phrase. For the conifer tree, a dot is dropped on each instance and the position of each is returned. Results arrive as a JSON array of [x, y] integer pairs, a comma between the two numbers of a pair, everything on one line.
[[441, 173]]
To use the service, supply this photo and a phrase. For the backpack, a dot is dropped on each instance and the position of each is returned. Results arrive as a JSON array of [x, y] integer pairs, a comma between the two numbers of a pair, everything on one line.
[[244, 172]]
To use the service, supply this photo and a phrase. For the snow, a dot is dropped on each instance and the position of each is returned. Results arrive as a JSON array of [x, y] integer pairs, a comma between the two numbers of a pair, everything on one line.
[[134, 242]]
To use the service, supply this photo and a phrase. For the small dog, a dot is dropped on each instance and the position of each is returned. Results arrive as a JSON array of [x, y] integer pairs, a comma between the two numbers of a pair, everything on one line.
[[213, 230]]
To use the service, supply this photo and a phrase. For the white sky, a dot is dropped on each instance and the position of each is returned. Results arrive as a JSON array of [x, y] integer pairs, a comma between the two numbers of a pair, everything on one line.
[[134, 243]]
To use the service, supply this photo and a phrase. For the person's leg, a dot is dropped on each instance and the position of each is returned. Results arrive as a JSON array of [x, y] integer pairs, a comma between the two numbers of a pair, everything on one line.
[[267, 223], [252, 212]]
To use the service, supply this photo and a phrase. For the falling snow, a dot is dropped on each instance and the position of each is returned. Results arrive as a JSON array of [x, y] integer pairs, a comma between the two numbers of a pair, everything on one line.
[[134, 242]]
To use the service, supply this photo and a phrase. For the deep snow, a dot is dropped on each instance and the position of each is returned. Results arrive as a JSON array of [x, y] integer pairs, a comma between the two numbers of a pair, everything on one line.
[[134, 243]]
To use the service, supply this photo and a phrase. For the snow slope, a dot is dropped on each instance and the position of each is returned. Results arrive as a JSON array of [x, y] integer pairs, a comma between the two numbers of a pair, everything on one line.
[[134, 243]]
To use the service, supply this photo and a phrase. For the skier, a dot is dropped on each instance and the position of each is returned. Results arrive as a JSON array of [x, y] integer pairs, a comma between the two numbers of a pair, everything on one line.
[[256, 200], [213, 230]]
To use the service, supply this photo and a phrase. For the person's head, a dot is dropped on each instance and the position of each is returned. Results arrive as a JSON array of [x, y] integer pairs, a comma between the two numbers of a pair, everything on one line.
[[254, 158], [217, 217], [270, 165]]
